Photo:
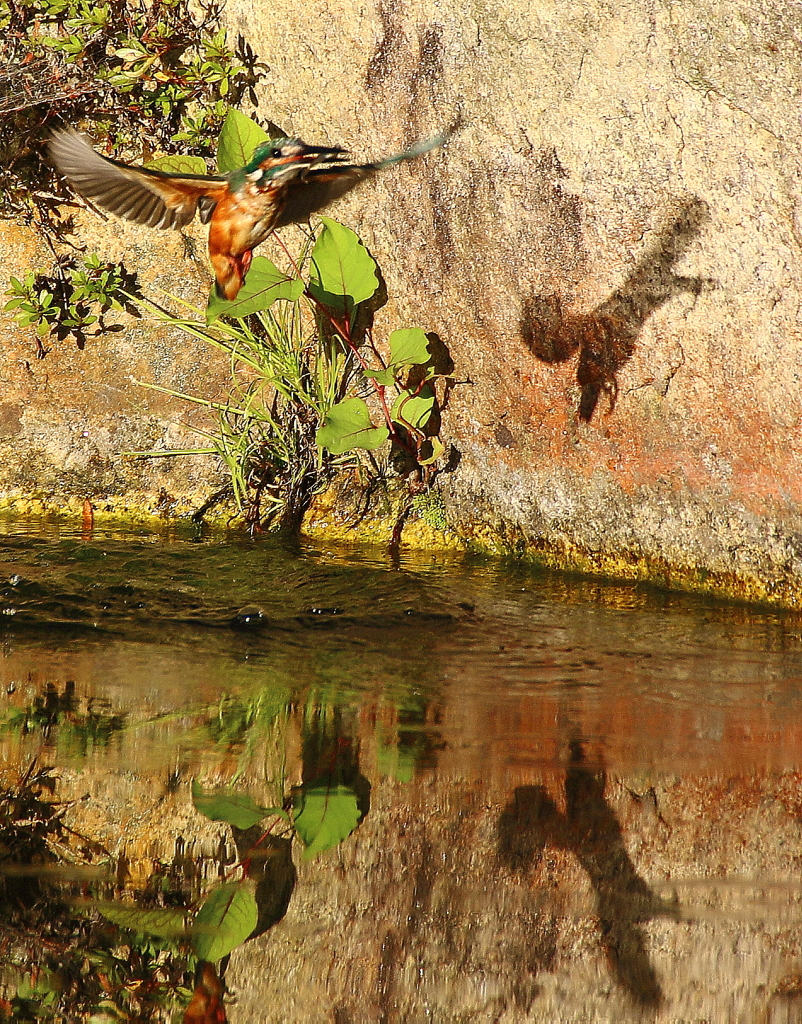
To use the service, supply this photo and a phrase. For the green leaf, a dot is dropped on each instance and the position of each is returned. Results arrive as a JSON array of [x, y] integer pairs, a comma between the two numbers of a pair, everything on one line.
[[178, 164], [237, 809], [239, 137], [414, 410], [225, 920], [343, 271], [437, 449], [128, 54], [347, 425], [409, 347], [324, 816], [165, 922], [385, 377], [264, 284]]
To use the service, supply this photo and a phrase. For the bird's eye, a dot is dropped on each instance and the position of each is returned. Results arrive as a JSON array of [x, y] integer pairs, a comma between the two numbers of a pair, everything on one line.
[[275, 153]]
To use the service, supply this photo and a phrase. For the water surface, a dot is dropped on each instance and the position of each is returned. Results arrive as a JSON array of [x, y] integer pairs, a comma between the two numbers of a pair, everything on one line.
[[577, 800]]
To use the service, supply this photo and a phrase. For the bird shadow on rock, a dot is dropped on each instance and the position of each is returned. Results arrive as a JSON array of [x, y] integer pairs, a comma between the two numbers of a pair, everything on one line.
[[590, 830], [606, 337]]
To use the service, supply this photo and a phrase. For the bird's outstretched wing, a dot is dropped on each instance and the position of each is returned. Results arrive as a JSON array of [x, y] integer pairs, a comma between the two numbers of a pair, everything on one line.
[[313, 188], [414, 151], [154, 198]]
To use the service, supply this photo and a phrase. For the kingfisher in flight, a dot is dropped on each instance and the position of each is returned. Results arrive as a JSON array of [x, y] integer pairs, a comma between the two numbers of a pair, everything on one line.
[[285, 182]]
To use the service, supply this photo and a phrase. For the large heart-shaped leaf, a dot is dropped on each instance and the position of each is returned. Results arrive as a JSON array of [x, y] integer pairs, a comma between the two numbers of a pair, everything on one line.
[[409, 347], [237, 809], [343, 271], [164, 922], [347, 425], [264, 284], [239, 137], [179, 164], [324, 816], [225, 920]]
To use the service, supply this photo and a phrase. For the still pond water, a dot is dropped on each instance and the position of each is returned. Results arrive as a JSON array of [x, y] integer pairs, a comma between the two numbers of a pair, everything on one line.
[[461, 790]]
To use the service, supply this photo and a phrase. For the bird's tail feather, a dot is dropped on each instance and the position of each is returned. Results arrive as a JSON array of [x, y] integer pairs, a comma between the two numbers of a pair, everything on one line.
[[409, 154]]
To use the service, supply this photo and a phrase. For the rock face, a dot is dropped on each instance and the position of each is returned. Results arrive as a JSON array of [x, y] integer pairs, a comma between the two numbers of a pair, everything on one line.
[[609, 247], [67, 420]]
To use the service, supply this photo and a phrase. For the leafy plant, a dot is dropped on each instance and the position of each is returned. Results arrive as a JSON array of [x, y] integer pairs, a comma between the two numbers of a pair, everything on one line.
[[322, 813], [72, 300], [322, 817], [311, 389], [148, 75], [60, 718], [163, 71], [61, 961]]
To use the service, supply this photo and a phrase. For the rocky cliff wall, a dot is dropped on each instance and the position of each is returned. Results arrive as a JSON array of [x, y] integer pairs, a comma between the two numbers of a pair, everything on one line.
[[609, 247]]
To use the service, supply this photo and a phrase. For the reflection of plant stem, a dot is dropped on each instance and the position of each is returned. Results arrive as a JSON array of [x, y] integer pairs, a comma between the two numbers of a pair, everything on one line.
[[245, 863]]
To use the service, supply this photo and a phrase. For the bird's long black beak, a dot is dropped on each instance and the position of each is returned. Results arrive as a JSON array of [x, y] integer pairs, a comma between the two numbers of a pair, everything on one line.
[[324, 153]]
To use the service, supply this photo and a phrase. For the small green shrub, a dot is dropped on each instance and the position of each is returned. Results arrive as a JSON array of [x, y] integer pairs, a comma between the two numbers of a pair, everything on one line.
[[311, 391], [150, 75], [72, 300]]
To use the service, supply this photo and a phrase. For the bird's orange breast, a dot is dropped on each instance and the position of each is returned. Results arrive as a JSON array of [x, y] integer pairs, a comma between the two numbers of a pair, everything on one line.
[[242, 220]]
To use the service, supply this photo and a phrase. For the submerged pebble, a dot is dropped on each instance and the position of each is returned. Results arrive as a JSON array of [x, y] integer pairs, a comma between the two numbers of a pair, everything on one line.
[[250, 617]]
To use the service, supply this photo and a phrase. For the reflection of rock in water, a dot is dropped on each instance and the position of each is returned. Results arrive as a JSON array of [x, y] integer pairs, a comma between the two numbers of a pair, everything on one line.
[[624, 899], [785, 1005]]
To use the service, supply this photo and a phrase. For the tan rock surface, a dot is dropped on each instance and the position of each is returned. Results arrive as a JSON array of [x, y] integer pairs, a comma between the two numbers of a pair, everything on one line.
[[609, 247], [67, 419]]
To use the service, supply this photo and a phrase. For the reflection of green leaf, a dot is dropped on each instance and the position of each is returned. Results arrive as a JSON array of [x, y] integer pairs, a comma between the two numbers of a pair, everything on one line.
[[239, 137], [225, 920], [347, 425], [264, 284], [400, 764], [414, 410], [236, 808], [343, 271], [409, 347], [165, 922], [324, 816], [179, 164]]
